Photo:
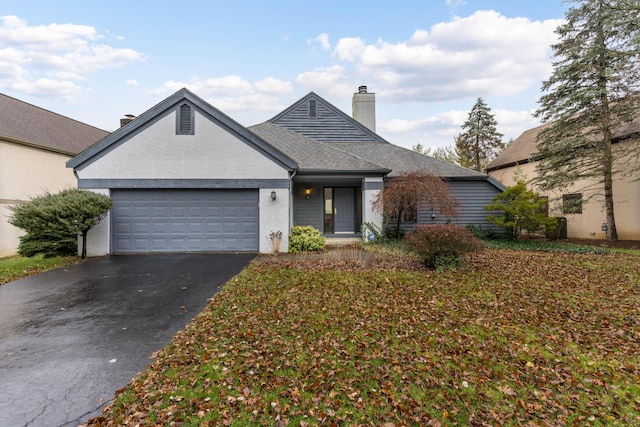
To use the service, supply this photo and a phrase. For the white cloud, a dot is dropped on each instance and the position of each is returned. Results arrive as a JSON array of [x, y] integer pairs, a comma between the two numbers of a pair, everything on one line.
[[54, 57], [133, 83], [273, 86], [323, 39], [513, 123], [349, 48], [213, 87], [234, 95], [328, 80], [480, 55], [439, 130], [453, 4]]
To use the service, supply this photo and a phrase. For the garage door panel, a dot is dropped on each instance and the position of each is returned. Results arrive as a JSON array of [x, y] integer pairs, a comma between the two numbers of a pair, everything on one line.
[[185, 220]]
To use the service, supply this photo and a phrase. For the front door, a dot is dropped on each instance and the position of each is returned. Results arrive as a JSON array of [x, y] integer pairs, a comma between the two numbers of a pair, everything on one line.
[[340, 210], [343, 210]]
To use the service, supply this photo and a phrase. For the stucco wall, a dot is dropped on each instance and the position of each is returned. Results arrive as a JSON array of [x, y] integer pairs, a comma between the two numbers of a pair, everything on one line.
[[274, 216], [98, 237], [588, 224], [158, 153], [368, 196], [26, 172]]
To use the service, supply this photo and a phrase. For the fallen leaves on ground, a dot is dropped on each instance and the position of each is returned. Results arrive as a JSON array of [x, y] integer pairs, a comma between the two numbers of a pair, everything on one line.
[[514, 338]]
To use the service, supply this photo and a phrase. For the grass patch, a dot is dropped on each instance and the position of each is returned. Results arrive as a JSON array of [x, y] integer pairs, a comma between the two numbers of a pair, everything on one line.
[[15, 267], [514, 338], [546, 246]]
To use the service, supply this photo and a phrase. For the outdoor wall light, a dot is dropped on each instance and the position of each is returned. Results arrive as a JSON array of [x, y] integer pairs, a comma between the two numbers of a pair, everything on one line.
[[273, 195], [307, 192]]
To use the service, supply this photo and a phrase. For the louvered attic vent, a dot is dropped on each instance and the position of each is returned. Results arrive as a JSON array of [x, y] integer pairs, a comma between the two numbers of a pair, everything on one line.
[[312, 108], [185, 120]]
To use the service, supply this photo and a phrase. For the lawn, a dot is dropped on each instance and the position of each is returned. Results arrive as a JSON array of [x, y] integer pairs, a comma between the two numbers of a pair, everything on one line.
[[514, 338], [16, 267]]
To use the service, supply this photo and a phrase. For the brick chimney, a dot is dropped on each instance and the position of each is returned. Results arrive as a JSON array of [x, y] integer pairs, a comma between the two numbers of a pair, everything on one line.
[[364, 108], [126, 119]]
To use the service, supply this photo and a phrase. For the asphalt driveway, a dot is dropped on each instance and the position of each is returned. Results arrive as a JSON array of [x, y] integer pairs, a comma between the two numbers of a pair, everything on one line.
[[71, 337]]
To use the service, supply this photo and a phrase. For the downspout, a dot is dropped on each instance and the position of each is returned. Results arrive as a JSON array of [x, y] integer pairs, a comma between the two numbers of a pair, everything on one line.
[[293, 174]]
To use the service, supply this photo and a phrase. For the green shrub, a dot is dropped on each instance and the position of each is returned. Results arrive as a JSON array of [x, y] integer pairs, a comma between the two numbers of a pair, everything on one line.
[[53, 222], [440, 246], [305, 239], [521, 210], [482, 234], [380, 234]]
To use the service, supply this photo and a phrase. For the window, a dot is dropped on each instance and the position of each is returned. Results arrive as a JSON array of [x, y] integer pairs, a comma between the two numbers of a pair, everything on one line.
[[409, 215], [544, 208], [184, 125], [312, 109], [572, 203]]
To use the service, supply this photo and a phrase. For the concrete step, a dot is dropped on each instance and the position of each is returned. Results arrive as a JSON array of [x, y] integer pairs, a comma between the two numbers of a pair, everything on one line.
[[342, 241]]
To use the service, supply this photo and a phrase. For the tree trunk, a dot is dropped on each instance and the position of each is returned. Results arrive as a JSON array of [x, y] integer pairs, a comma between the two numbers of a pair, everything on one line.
[[84, 243], [607, 152], [398, 224], [612, 232]]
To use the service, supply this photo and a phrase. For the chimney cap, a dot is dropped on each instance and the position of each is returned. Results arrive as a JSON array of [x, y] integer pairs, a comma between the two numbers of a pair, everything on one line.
[[130, 116], [362, 89]]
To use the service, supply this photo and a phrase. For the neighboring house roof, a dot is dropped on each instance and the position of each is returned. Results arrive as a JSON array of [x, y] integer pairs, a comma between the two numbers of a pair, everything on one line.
[[519, 151], [165, 107], [523, 148], [329, 124], [314, 156], [26, 124]]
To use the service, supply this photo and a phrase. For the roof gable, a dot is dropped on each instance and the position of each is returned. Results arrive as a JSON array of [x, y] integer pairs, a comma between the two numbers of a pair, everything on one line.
[[329, 124], [26, 124], [313, 156], [168, 106]]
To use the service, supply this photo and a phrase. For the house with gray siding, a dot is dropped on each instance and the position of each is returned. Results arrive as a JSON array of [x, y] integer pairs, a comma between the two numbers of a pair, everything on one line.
[[185, 177]]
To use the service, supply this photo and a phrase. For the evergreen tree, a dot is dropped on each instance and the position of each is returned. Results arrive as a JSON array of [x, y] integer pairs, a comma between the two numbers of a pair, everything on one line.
[[480, 142], [592, 91], [53, 222], [522, 210], [446, 154]]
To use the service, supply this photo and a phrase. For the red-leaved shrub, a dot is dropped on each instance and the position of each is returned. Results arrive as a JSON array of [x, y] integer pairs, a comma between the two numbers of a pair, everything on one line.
[[441, 245]]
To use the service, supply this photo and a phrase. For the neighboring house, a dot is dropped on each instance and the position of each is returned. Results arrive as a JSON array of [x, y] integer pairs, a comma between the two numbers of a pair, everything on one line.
[[583, 203], [35, 144], [186, 177]]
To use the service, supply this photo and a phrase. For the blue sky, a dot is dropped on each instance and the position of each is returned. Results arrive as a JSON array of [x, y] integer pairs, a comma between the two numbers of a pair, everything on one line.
[[427, 61]]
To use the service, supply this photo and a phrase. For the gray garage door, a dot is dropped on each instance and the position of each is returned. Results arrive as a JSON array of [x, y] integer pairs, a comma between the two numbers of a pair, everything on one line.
[[184, 220]]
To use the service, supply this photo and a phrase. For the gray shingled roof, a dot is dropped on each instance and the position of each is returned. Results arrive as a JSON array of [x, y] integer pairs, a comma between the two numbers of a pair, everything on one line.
[[401, 160], [522, 149], [317, 156], [25, 123], [311, 155]]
